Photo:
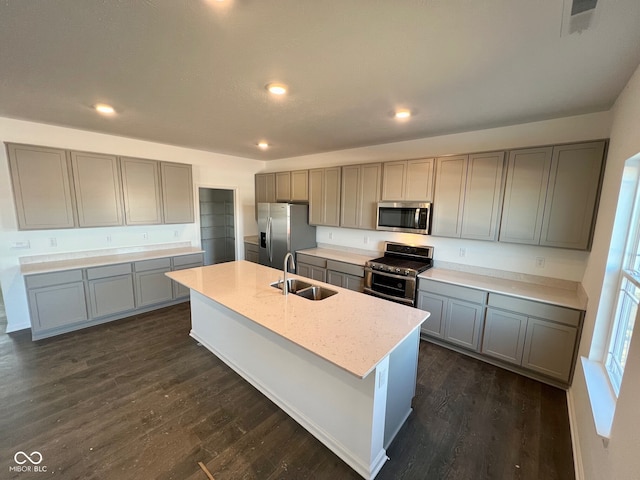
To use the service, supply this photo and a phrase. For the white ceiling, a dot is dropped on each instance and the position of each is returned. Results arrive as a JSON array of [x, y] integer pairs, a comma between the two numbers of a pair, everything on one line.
[[192, 72]]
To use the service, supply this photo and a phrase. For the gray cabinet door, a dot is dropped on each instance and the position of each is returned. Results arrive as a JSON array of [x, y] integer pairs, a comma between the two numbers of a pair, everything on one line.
[[57, 306], [311, 271], [141, 188], [524, 197], [394, 180], [335, 278], [251, 253], [300, 186], [283, 186], [331, 196], [451, 176], [353, 282], [41, 187], [504, 334], [349, 196], [483, 196], [177, 192], [111, 295], [549, 348], [572, 195], [463, 323], [419, 184], [437, 306], [316, 196], [265, 189], [153, 286], [97, 183]]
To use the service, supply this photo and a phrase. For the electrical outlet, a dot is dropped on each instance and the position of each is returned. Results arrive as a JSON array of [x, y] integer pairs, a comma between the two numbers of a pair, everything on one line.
[[330, 235], [463, 252], [176, 234], [366, 240], [53, 242], [108, 238], [540, 261], [145, 236]]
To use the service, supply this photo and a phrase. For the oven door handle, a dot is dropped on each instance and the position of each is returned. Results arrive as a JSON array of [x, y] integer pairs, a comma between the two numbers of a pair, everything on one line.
[[409, 278], [406, 301]]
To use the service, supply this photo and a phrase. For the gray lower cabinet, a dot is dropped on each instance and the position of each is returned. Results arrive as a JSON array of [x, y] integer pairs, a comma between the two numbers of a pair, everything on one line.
[[457, 313], [251, 252], [56, 300], [311, 271], [184, 262], [539, 337], [110, 290], [345, 275], [152, 285], [68, 300], [535, 339]]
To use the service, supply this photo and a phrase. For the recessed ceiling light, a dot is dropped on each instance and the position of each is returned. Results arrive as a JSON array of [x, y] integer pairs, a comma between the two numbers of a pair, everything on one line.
[[403, 113], [277, 88], [263, 145], [104, 109]]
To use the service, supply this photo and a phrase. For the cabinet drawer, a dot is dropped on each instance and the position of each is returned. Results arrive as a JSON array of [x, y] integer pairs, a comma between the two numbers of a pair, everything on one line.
[[53, 278], [188, 259], [564, 315], [311, 260], [455, 291], [154, 264], [348, 268], [108, 271]]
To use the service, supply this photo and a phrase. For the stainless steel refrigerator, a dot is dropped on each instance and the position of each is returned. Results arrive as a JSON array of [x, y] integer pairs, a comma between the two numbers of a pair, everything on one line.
[[283, 227]]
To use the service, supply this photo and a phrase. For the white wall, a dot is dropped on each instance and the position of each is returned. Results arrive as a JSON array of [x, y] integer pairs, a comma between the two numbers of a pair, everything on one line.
[[559, 263], [209, 170], [620, 459]]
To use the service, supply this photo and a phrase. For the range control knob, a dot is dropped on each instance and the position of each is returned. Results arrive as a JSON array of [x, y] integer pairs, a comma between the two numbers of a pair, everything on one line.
[[397, 270]]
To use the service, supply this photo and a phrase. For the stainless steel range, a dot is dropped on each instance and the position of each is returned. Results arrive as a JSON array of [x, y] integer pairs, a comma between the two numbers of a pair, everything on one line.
[[394, 276]]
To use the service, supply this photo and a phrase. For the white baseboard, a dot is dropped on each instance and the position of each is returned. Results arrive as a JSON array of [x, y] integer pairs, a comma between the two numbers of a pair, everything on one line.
[[575, 444]]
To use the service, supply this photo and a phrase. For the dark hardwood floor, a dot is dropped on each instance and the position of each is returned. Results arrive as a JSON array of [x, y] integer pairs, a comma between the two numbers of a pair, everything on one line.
[[138, 399]]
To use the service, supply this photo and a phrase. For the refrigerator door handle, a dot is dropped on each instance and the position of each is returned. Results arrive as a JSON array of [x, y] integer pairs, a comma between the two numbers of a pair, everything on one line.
[[269, 240]]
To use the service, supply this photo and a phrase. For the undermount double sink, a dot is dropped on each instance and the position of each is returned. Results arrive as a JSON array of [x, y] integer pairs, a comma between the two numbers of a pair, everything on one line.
[[305, 290]]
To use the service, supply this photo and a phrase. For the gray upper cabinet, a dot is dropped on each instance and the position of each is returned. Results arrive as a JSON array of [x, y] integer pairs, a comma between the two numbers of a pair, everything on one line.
[[451, 176], [265, 190], [525, 191], [41, 187], [408, 180], [572, 195], [468, 196], [141, 187], [292, 186], [483, 196], [551, 195], [177, 192], [283, 186], [324, 196], [360, 194], [97, 182]]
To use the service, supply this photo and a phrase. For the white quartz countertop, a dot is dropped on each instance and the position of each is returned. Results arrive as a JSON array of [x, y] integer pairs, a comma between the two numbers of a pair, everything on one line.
[[339, 255], [98, 260], [530, 291], [351, 330]]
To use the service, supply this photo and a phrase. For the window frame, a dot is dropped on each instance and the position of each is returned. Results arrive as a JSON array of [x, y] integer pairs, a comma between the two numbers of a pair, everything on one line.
[[626, 305]]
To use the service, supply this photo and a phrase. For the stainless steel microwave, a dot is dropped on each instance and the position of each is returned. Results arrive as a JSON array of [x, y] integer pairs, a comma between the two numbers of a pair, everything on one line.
[[409, 217]]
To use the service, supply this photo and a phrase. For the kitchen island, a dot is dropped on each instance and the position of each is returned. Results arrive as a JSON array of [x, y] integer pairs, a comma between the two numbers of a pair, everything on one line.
[[343, 367]]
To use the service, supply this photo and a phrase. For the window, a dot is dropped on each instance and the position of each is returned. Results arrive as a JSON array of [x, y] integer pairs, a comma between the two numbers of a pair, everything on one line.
[[626, 309]]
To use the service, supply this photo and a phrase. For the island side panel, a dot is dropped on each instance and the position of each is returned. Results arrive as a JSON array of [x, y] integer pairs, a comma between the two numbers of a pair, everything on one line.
[[403, 374], [344, 412]]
